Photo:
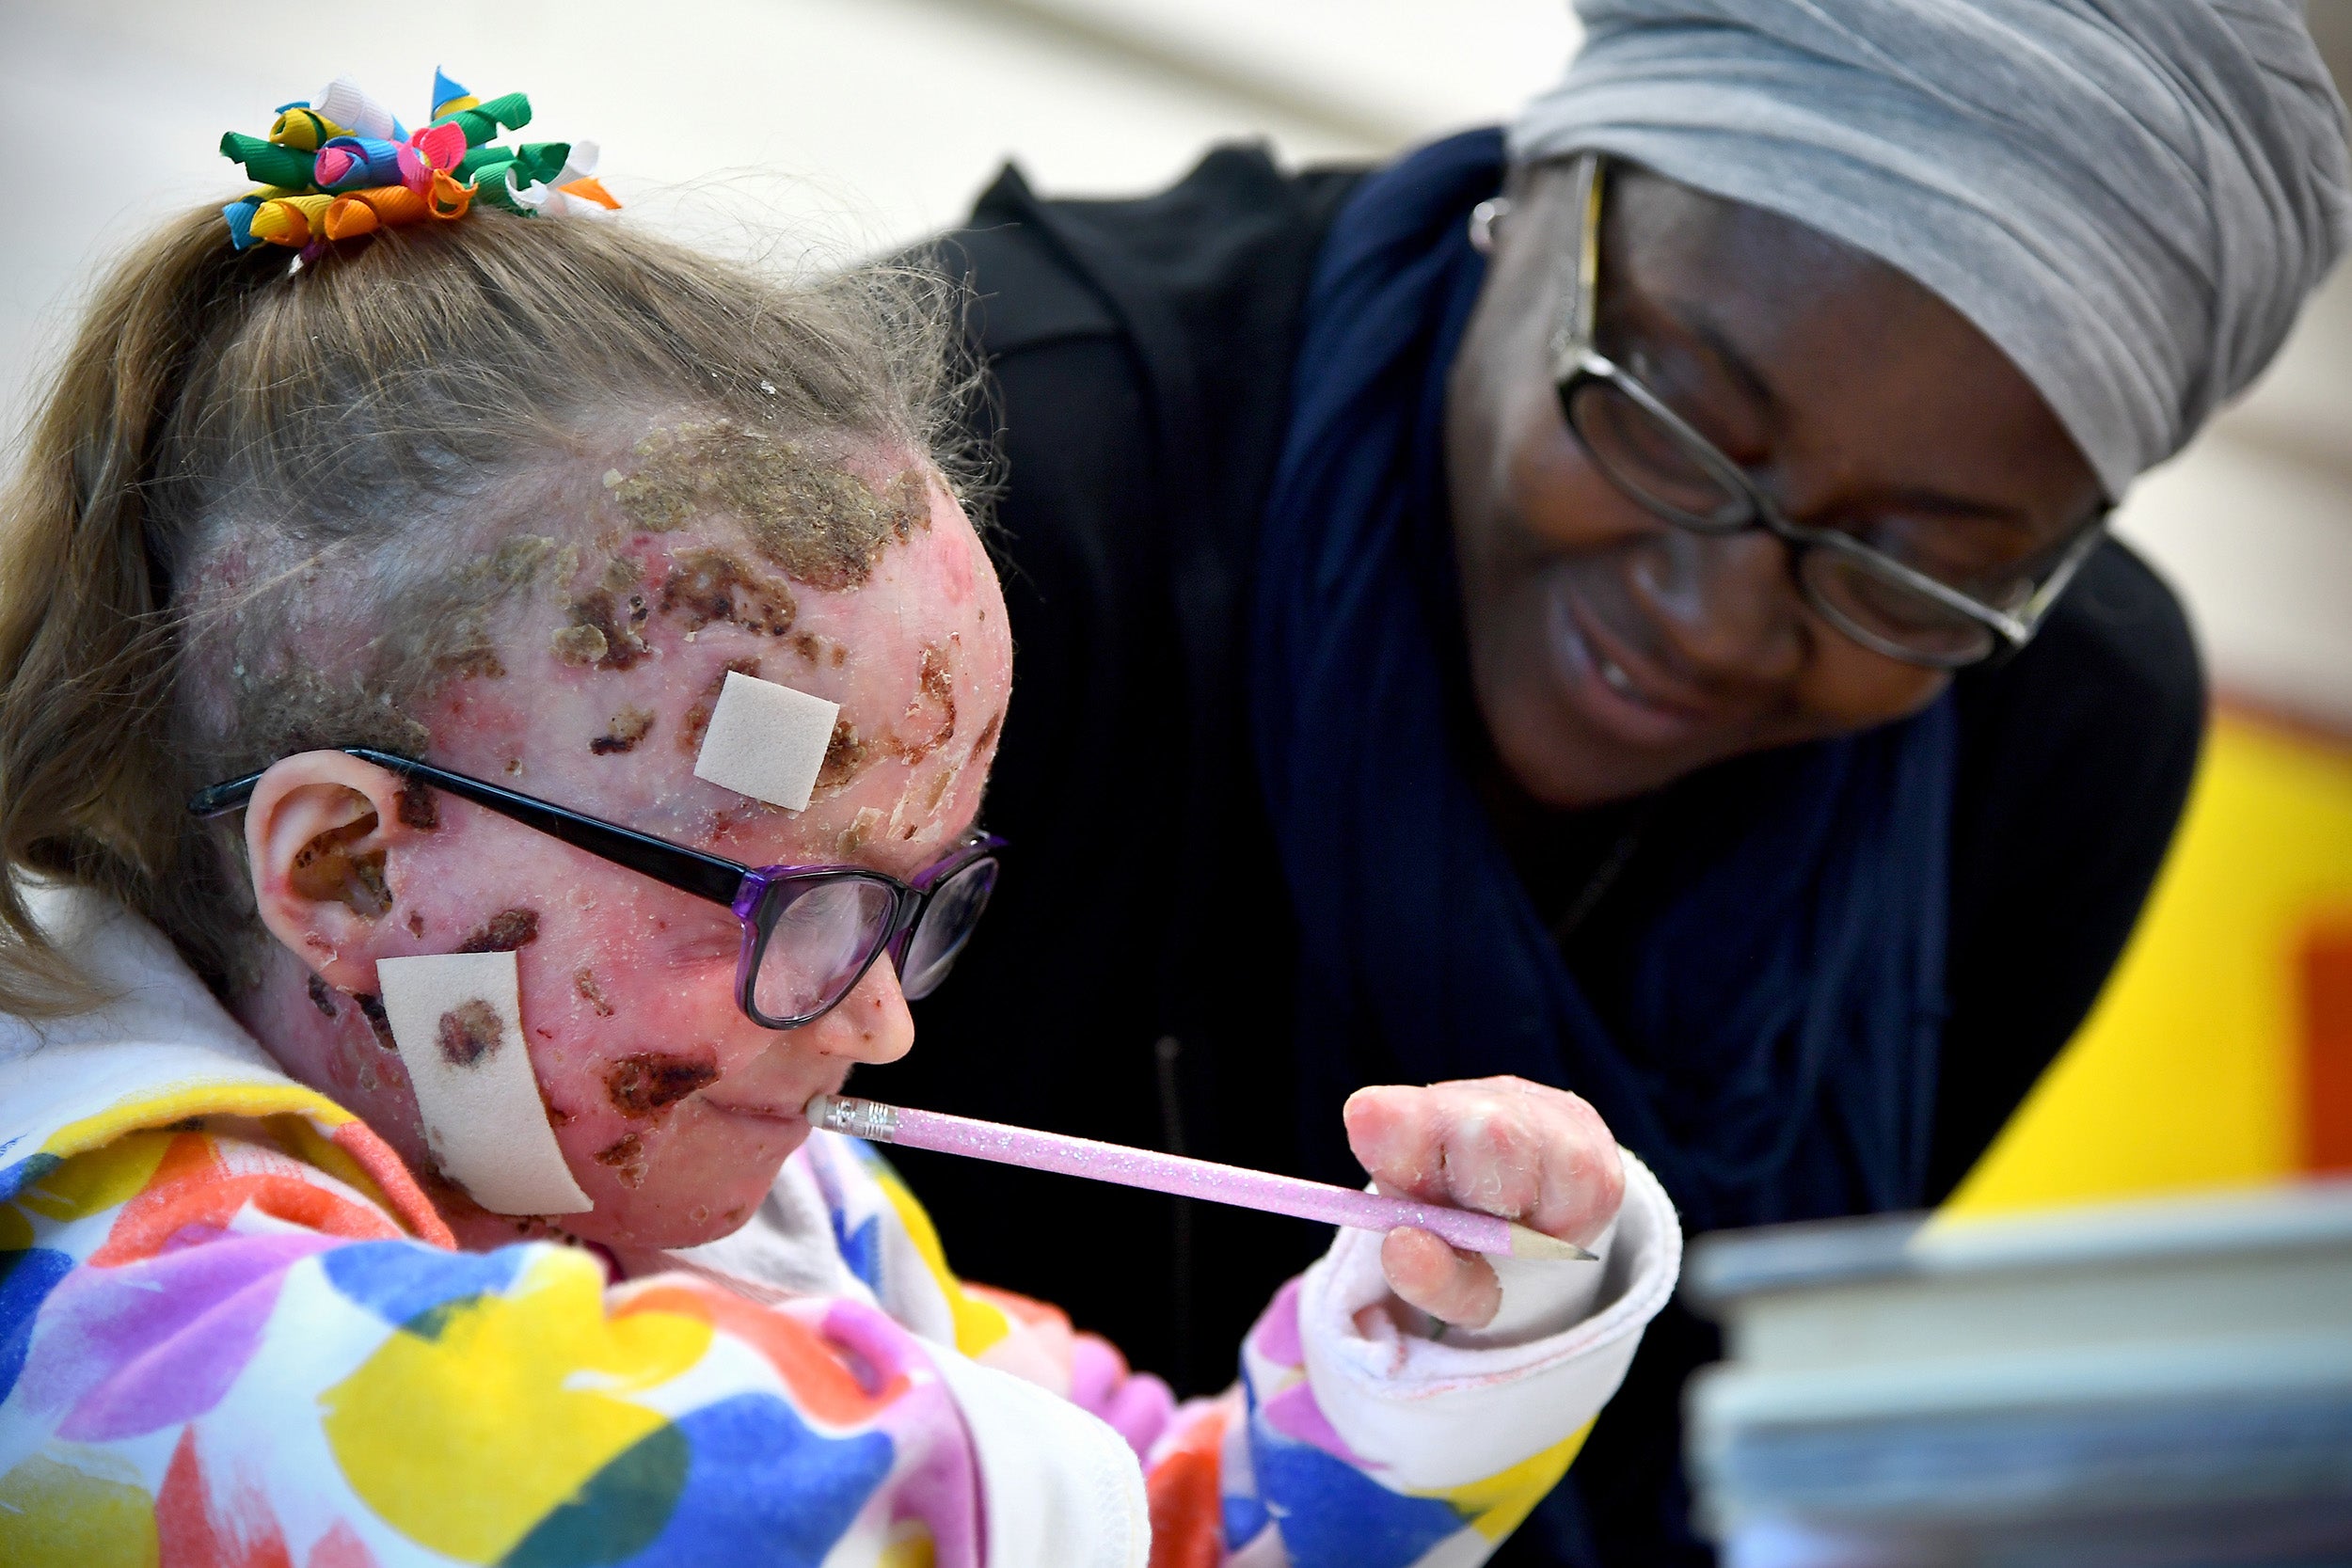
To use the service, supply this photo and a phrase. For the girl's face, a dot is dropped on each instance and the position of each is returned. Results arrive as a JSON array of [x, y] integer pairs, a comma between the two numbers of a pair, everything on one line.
[[672, 1109]]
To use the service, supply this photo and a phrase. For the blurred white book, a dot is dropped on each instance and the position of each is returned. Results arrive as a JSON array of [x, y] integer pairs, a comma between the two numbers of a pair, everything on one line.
[[2149, 1383]]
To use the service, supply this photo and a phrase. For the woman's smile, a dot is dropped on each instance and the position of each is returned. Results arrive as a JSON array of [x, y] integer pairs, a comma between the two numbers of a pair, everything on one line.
[[1618, 690]]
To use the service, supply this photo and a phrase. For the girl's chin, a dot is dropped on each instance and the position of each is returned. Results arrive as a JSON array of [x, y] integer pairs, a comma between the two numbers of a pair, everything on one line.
[[682, 1206]]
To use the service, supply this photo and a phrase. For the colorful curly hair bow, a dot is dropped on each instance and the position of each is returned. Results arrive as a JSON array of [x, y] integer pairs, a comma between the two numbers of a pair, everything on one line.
[[341, 166]]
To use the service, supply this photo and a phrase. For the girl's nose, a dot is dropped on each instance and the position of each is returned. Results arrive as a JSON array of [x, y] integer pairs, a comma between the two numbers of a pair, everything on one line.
[[872, 1023]]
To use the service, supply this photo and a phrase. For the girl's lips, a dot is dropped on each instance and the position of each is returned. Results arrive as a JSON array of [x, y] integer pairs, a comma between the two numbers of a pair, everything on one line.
[[785, 1108], [760, 1113]]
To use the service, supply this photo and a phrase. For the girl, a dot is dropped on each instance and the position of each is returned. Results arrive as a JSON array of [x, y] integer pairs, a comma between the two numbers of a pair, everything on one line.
[[494, 720]]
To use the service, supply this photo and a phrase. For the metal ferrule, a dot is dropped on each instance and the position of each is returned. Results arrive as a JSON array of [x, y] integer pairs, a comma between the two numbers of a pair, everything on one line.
[[859, 1119]]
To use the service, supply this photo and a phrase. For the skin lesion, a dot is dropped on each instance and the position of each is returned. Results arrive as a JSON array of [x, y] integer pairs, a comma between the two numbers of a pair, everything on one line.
[[863, 829], [603, 631], [627, 727], [936, 685], [805, 513], [327, 871], [848, 753], [504, 932], [584, 985], [649, 1083], [708, 587], [577, 644], [626, 1155], [372, 1009], [480, 661], [820, 651], [696, 722], [942, 781], [417, 808], [467, 1033]]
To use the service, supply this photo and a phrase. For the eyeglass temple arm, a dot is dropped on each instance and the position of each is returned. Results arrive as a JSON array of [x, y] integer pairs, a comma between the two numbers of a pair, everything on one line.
[[2017, 627], [1583, 280], [2086, 545], [673, 866]]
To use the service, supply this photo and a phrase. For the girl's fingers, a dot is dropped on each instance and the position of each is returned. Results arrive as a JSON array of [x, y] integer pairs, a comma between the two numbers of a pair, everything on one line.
[[1501, 1146], [1457, 1288]]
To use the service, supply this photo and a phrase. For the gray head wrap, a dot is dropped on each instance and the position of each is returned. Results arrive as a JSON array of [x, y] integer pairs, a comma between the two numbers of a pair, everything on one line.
[[2130, 197]]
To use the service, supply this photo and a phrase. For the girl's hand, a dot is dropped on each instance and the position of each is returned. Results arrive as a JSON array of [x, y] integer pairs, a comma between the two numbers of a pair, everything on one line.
[[1503, 1146]]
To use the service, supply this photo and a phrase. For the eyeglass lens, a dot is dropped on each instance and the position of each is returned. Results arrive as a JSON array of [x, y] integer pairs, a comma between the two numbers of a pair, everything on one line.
[[946, 925], [1654, 464], [1646, 457], [821, 942], [818, 944], [1892, 616]]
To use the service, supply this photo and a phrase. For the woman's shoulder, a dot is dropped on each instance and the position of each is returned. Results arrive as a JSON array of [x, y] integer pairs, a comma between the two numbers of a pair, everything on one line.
[[2110, 695], [1137, 358], [2075, 764], [1225, 246]]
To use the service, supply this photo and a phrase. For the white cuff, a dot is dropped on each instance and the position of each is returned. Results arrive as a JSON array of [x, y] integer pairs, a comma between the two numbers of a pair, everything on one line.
[[1439, 1413]]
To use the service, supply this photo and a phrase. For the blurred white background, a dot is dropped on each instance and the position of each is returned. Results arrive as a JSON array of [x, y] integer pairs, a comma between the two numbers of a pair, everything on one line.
[[835, 127]]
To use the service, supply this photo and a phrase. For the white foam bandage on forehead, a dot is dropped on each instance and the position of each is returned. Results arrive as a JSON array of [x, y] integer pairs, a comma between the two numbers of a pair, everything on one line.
[[767, 741], [457, 1020]]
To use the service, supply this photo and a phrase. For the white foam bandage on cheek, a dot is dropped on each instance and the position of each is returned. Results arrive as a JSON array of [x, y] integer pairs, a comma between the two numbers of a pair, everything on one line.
[[457, 1020], [767, 741]]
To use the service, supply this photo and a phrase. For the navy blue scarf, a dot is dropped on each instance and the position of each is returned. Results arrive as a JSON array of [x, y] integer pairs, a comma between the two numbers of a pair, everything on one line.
[[1778, 1059]]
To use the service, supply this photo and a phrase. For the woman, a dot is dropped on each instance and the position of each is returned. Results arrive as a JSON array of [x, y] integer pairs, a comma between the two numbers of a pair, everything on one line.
[[1577, 608]]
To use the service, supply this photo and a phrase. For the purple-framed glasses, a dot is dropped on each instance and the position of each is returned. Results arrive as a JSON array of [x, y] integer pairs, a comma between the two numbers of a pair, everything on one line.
[[810, 932]]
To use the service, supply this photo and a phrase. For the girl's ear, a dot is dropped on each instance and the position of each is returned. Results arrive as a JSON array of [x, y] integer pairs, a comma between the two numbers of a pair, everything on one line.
[[317, 833]]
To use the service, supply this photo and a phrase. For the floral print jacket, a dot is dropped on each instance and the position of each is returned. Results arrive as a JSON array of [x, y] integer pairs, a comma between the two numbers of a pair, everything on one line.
[[233, 1330]]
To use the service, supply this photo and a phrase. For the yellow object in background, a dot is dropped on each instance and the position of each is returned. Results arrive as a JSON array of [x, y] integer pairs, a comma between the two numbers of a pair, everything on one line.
[[2208, 1061]]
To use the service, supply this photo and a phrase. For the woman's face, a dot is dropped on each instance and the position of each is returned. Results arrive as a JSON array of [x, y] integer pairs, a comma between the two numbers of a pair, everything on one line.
[[1612, 653], [672, 1108]]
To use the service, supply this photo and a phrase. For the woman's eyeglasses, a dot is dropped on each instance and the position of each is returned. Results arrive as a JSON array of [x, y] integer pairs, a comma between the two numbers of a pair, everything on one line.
[[1655, 457], [810, 932]]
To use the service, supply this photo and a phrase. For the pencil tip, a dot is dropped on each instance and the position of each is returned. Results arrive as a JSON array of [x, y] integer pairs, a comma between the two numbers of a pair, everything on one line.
[[1526, 1243]]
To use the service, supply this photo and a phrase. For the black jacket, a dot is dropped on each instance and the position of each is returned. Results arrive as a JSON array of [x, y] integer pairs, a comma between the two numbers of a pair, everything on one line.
[[1133, 980]]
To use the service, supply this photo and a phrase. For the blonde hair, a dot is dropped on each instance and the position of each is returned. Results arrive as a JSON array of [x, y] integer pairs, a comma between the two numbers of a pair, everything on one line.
[[356, 417]]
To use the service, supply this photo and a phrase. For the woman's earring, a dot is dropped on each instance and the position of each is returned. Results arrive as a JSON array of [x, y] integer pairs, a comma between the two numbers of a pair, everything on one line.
[[1482, 224]]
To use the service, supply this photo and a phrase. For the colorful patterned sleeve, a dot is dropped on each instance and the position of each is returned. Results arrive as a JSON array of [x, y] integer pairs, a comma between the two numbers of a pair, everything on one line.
[[232, 1330], [223, 1341], [1353, 1439]]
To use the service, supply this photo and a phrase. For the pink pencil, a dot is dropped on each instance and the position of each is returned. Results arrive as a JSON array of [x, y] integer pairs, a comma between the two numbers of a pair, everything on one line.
[[1173, 1173]]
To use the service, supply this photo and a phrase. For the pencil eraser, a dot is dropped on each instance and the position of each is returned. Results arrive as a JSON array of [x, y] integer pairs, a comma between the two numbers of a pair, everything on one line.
[[456, 1019], [767, 741]]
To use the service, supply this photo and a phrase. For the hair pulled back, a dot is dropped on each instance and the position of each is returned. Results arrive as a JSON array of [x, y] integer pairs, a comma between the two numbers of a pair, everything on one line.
[[347, 412]]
